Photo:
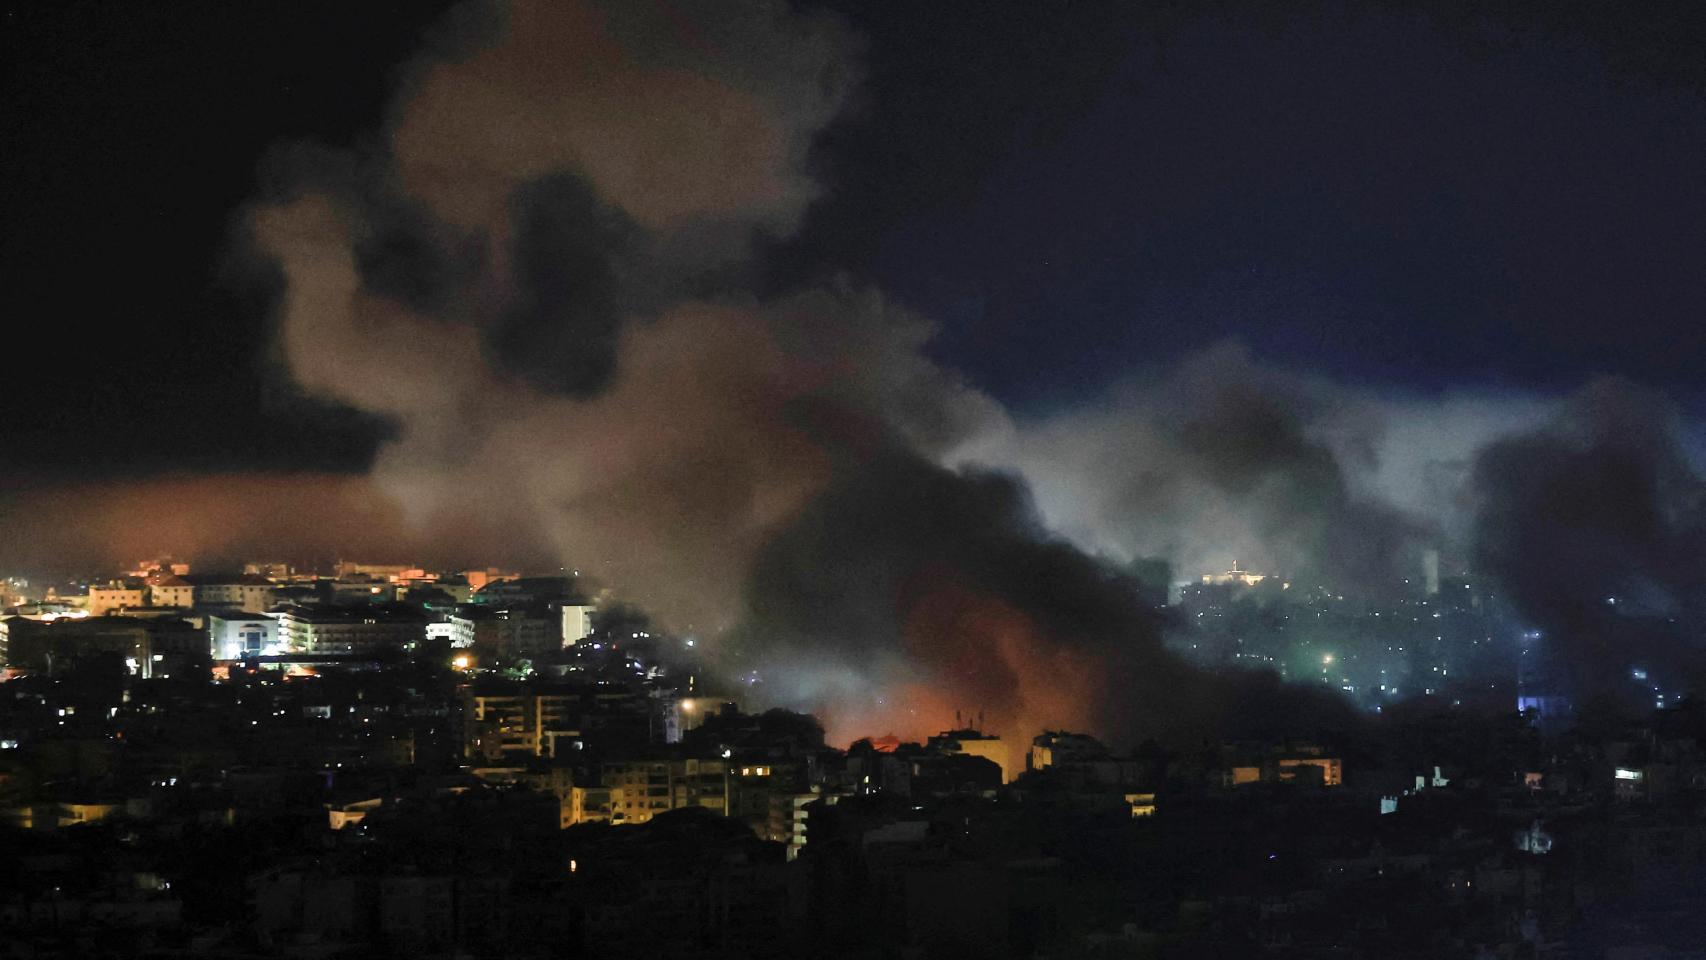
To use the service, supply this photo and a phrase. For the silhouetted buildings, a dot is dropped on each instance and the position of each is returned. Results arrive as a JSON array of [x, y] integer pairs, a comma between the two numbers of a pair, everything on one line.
[[326, 776]]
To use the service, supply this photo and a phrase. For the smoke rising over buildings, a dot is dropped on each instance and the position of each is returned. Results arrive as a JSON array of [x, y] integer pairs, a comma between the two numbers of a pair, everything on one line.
[[542, 278], [763, 473], [1222, 459], [1593, 523]]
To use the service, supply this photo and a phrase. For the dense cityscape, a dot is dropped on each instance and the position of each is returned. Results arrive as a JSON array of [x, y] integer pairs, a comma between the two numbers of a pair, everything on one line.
[[389, 761]]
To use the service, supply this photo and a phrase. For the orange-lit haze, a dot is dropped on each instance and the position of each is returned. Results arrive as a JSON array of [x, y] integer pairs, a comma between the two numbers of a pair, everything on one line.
[[229, 516], [981, 663]]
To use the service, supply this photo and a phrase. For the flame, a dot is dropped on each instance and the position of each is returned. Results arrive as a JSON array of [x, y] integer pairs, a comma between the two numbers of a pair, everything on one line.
[[985, 665]]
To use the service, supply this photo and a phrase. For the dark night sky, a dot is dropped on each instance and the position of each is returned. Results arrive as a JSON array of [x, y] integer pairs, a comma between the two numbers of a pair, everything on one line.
[[1402, 198]]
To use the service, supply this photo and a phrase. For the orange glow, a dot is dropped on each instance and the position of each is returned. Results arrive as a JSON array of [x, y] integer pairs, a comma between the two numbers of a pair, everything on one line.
[[984, 657], [230, 516]]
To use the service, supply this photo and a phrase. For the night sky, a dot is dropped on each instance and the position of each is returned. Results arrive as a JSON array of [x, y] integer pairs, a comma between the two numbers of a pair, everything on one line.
[[1401, 197], [1295, 398]]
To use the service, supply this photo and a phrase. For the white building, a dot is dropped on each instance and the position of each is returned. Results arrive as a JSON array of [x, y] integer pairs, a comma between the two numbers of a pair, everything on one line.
[[1234, 576], [111, 597], [244, 591], [171, 590], [349, 630], [577, 622], [233, 636]]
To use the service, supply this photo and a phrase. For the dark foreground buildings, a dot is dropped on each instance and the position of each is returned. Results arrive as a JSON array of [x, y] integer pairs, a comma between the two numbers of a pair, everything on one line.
[[419, 775], [413, 812]]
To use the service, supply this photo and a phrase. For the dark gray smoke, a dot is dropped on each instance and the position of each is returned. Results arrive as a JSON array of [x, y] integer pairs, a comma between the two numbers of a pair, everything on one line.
[[1595, 527], [906, 592]]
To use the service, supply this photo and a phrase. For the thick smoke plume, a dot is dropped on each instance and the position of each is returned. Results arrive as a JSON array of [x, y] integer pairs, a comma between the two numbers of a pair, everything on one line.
[[908, 592], [522, 285], [1595, 525], [1221, 459], [542, 279], [498, 283]]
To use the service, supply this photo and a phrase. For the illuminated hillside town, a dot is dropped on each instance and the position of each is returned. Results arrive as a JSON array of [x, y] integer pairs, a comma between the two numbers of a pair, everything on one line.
[[386, 759]]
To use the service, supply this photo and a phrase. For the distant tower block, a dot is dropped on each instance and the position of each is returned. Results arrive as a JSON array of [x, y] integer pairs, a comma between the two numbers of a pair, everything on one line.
[[1430, 571], [577, 622]]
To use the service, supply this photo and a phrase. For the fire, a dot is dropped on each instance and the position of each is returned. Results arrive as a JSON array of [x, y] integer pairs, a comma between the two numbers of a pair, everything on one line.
[[988, 666]]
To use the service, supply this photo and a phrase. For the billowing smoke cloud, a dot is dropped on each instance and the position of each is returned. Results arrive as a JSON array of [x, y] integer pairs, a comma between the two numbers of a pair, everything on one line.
[[542, 281], [908, 593], [542, 286], [1224, 459], [507, 284], [1595, 525], [677, 114]]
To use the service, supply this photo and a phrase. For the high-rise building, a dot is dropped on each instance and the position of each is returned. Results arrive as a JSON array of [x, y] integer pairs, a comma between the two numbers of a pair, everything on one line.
[[577, 622]]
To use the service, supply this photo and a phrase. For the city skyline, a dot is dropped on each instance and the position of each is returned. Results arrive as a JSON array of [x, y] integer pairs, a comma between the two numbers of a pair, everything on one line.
[[809, 477]]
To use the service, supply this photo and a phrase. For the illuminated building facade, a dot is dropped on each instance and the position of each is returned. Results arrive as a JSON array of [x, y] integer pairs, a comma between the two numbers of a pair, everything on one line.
[[51, 816], [1328, 769], [232, 636], [587, 805], [1234, 577], [975, 743], [359, 590], [519, 725], [115, 596], [577, 622], [642, 789], [1290, 763], [247, 592], [347, 630], [480, 579], [346, 569], [170, 590]]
